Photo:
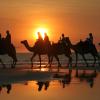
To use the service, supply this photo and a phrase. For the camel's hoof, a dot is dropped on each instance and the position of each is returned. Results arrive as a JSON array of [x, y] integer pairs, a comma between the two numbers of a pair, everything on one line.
[[59, 65], [12, 67], [4, 68], [50, 70], [73, 66], [87, 66]]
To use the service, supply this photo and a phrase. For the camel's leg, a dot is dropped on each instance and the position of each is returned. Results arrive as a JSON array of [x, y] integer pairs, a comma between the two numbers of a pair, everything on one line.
[[13, 64], [50, 62], [70, 71], [94, 60], [76, 58], [85, 60], [98, 59], [40, 60], [70, 62], [59, 65], [70, 68], [2, 64], [32, 59], [76, 75]]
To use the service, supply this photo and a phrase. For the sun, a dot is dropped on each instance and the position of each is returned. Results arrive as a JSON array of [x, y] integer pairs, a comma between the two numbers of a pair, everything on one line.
[[42, 31]]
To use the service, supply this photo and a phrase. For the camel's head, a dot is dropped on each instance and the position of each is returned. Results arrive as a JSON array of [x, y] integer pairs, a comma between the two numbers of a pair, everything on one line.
[[24, 41], [68, 40]]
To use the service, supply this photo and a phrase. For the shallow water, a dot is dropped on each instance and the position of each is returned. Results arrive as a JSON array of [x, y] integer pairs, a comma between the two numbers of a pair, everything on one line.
[[24, 60], [19, 84], [60, 88]]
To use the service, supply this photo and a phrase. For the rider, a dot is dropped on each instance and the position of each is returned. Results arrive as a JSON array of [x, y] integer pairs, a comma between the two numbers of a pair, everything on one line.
[[63, 39], [39, 41], [8, 37], [90, 39], [46, 41], [46, 38], [39, 36]]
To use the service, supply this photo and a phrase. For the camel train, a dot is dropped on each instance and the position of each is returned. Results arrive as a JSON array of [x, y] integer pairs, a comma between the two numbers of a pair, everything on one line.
[[45, 47], [63, 46]]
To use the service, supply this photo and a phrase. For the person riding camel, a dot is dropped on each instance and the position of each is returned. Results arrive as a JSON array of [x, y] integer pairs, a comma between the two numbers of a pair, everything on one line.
[[46, 41], [39, 41], [90, 39], [46, 38], [39, 37], [63, 39], [8, 37]]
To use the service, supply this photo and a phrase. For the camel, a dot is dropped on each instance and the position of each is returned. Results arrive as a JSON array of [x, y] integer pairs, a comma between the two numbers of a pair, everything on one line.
[[11, 52], [83, 48], [88, 77], [52, 51], [60, 49]]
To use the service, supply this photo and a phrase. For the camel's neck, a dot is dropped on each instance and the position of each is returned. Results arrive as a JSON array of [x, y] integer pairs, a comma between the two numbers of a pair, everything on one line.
[[28, 47], [73, 46], [70, 44]]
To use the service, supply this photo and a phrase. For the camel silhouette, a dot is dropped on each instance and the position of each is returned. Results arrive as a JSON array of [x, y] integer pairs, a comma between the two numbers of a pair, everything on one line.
[[88, 77], [83, 48], [52, 51], [10, 51]]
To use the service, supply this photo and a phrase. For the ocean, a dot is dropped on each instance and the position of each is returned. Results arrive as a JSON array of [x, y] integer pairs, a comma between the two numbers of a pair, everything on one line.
[[24, 60]]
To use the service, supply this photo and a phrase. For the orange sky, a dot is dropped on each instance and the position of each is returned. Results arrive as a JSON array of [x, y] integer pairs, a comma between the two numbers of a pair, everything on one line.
[[75, 18]]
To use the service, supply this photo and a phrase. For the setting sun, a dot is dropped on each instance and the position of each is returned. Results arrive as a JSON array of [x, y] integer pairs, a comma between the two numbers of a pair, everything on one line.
[[42, 31]]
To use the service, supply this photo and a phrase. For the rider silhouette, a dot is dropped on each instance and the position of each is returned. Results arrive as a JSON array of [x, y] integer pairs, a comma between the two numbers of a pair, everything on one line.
[[63, 39], [46, 41], [39, 37], [8, 37], [90, 39], [39, 41], [46, 38]]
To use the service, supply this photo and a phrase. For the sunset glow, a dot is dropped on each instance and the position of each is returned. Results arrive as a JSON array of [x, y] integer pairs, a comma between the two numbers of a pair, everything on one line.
[[74, 18], [42, 31]]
